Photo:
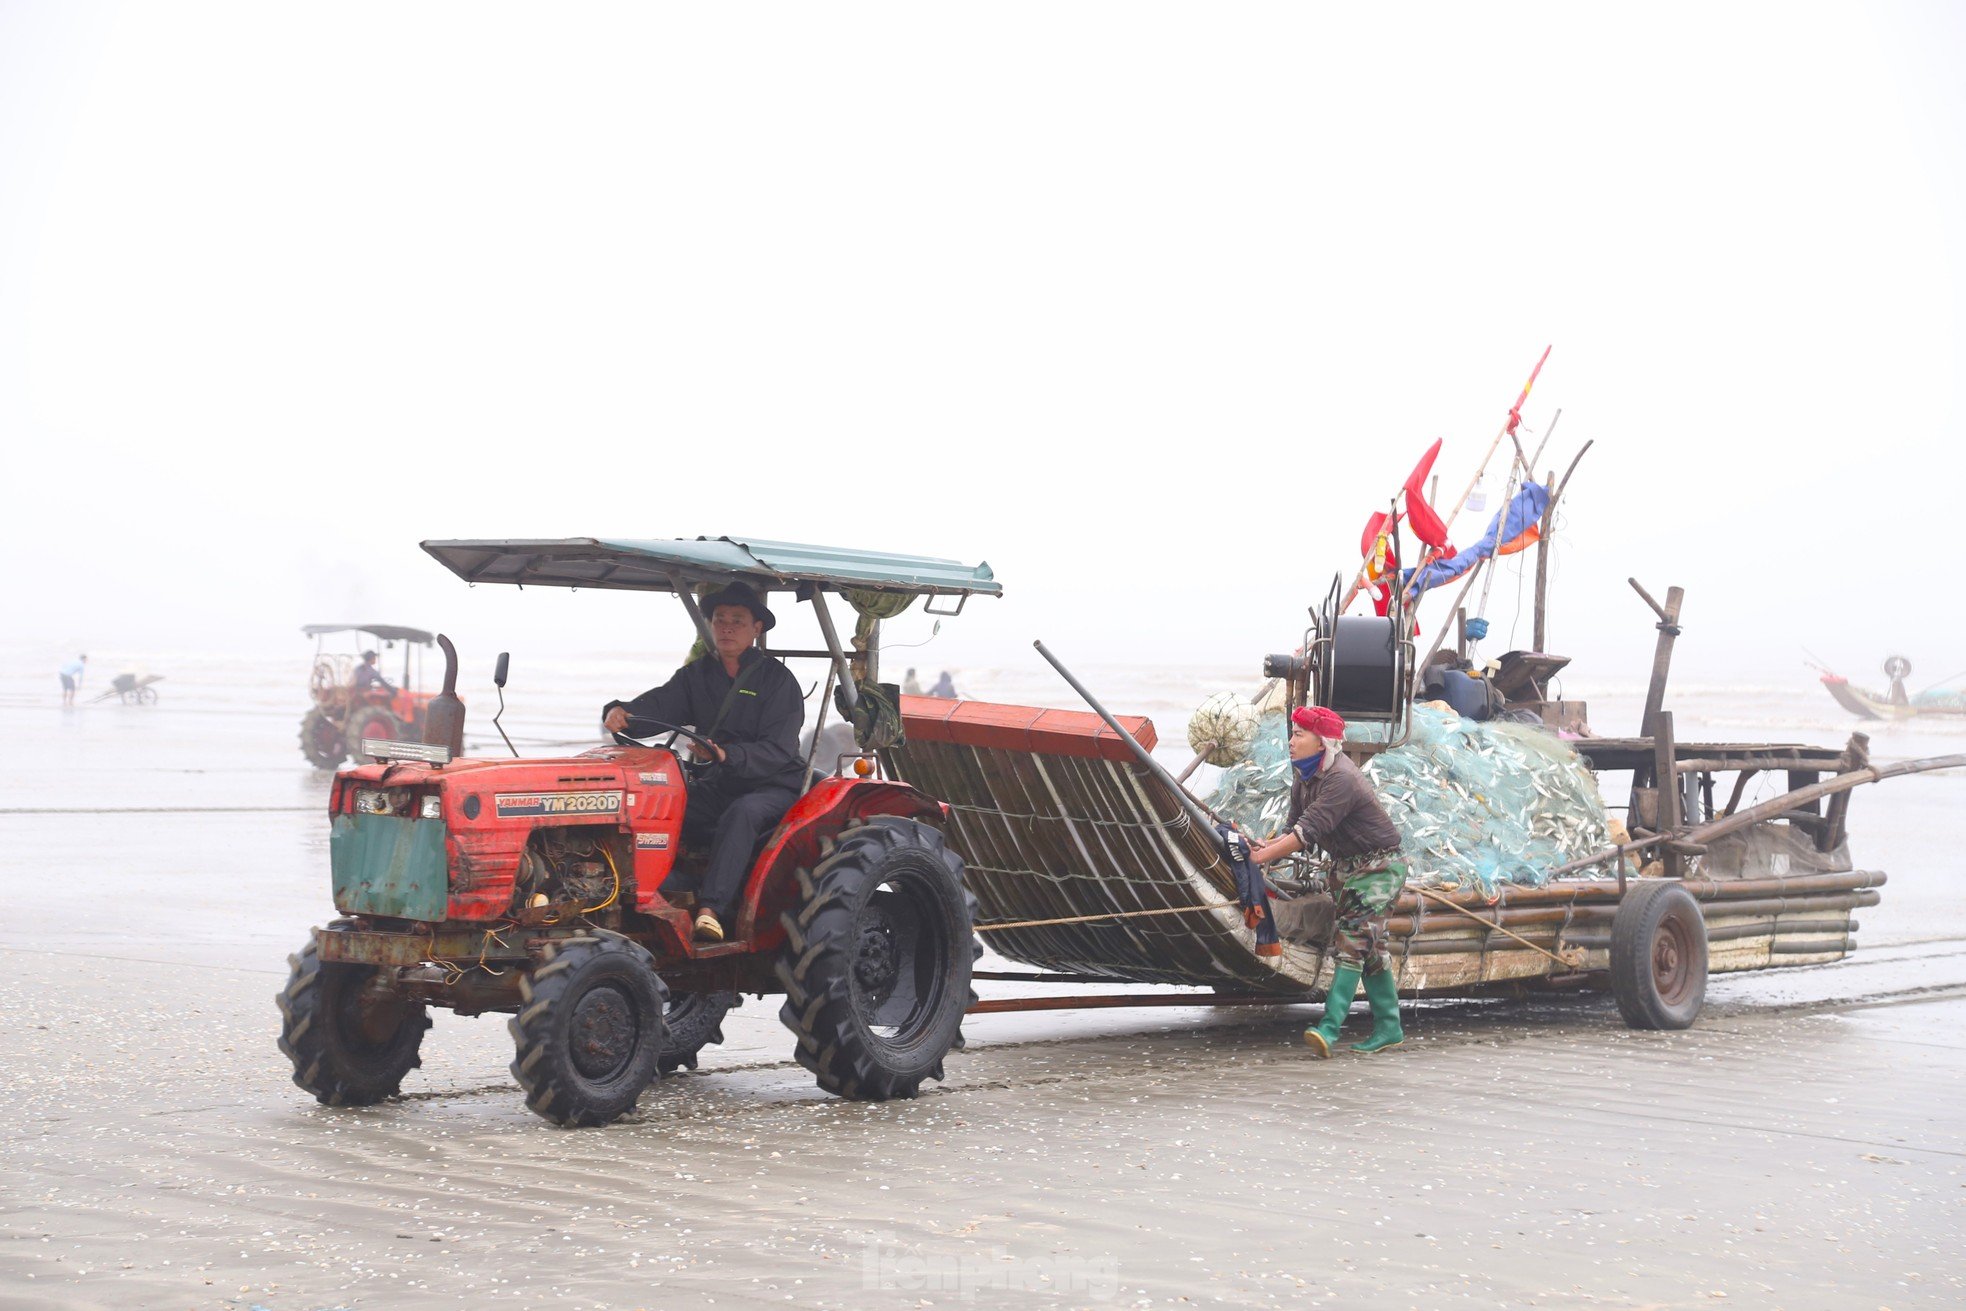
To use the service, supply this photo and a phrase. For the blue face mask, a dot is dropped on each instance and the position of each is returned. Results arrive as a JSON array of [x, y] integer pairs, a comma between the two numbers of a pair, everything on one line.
[[1306, 768]]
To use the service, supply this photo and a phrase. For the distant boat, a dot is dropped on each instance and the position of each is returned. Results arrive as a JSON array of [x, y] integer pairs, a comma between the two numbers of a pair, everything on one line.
[[1896, 704]]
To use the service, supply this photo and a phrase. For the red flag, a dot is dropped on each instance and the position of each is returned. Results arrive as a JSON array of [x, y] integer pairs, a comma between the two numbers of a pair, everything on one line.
[[1373, 527], [1420, 516]]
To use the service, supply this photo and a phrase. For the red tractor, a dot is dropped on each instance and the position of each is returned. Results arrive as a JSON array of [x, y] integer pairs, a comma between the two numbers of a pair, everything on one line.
[[534, 888], [348, 708]]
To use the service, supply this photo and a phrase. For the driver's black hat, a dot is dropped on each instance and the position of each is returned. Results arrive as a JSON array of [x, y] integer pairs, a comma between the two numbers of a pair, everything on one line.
[[739, 594]]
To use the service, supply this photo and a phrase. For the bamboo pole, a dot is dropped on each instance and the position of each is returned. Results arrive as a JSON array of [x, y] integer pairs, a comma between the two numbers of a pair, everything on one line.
[[1772, 808], [1507, 430], [1541, 446], [1605, 891], [1106, 1000], [1543, 545], [1495, 926], [1441, 636], [1201, 815]]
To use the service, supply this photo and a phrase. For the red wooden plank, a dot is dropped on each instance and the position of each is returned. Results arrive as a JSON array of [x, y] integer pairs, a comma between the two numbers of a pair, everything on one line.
[[995, 726]]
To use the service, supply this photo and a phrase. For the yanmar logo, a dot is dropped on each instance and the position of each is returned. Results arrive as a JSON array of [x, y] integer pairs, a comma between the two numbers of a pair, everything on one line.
[[519, 805]]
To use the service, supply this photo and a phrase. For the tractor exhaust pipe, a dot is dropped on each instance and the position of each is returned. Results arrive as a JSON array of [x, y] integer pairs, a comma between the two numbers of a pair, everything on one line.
[[443, 719]]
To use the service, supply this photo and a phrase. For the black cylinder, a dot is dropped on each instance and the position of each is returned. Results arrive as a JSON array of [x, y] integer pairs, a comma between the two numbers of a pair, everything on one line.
[[1359, 671], [1290, 668], [443, 718]]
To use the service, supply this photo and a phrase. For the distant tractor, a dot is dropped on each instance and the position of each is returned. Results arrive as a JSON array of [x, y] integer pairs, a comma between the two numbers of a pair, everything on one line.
[[344, 713], [535, 888]]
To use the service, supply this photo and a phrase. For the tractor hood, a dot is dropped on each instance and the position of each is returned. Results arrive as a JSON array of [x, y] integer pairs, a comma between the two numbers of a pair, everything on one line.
[[420, 842], [613, 765]]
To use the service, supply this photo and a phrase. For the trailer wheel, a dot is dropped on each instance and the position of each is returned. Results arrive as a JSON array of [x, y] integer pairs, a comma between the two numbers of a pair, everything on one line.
[[693, 1021], [878, 959], [1659, 956], [351, 1039], [589, 1030], [372, 722], [322, 741]]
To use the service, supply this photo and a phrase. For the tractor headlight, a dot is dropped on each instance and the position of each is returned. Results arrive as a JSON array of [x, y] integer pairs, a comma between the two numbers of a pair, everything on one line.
[[432, 808], [372, 802]]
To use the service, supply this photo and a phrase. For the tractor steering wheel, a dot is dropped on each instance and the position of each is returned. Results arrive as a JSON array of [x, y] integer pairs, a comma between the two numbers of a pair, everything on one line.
[[671, 732]]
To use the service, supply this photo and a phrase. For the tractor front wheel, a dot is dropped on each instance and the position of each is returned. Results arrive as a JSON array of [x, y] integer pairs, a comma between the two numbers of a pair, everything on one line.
[[351, 1037], [321, 740], [589, 1030], [877, 961]]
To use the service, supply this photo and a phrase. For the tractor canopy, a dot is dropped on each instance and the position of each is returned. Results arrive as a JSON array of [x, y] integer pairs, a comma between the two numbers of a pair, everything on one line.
[[387, 632], [669, 565]]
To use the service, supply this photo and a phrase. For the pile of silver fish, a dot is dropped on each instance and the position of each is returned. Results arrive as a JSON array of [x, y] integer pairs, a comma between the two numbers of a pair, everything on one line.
[[1476, 804]]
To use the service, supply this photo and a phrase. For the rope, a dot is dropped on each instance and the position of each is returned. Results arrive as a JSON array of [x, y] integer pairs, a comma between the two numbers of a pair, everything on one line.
[[1109, 915], [1491, 924], [1055, 817]]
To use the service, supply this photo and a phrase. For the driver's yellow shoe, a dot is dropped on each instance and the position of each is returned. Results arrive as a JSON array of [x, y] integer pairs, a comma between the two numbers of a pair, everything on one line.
[[708, 927]]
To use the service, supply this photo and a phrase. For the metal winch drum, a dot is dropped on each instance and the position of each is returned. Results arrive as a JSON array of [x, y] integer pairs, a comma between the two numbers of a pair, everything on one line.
[[1359, 665], [1359, 670]]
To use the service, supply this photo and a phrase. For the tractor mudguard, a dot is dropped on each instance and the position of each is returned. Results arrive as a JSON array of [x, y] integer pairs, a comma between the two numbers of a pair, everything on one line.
[[822, 812]]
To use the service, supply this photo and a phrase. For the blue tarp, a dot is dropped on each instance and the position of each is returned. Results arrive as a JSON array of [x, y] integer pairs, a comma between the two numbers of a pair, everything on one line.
[[1524, 511]]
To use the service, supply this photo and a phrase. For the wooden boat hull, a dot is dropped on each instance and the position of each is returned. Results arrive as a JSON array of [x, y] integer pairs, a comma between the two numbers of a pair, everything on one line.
[[1861, 703]]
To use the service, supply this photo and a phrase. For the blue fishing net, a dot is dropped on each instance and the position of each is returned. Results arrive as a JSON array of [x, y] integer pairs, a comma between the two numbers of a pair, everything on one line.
[[1476, 804]]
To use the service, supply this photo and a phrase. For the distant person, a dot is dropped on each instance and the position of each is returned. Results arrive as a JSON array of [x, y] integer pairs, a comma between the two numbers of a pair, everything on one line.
[[910, 685], [945, 687], [71, 678], [368, 675]]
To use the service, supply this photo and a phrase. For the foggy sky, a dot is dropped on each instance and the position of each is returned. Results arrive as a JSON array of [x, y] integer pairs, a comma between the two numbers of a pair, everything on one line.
[[1149, 306]]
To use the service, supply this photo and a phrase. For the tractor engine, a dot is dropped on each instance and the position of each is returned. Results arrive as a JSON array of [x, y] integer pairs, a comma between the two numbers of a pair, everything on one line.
[[573, 867]]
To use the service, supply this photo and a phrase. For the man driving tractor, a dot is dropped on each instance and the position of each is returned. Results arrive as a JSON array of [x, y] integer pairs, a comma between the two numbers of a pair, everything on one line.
[[748, 705], [368, 675]]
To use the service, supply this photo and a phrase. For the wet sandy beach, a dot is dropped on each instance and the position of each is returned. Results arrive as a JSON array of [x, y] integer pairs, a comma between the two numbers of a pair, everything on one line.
[[1803, 1146]]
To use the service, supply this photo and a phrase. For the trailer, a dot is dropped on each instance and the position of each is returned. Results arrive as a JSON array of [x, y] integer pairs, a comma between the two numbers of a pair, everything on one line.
[[131, 690], [1093, 863], [1087, 865]]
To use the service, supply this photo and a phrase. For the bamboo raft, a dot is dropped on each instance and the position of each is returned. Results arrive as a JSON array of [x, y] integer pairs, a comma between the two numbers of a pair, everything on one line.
[[1086, 864]]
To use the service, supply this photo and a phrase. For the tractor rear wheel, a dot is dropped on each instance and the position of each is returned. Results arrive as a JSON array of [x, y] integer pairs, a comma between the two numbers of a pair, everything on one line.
[[588, 1034], [351, 1037], [321, 740], [372, 722], [693, 1021], [877, 960]]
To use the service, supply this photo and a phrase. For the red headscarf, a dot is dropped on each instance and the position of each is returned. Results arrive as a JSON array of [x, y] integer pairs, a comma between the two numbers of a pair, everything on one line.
[[1319, 720]]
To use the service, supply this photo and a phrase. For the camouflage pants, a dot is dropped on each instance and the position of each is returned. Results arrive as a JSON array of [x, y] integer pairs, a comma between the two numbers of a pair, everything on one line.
[[1367, 887]]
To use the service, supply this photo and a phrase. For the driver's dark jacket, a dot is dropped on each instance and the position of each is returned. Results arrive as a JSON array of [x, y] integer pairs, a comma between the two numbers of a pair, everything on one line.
[[760, 731]]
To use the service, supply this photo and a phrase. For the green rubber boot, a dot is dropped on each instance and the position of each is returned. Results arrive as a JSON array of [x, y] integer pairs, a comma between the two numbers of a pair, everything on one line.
[[1383, 992], [1323, 1037]]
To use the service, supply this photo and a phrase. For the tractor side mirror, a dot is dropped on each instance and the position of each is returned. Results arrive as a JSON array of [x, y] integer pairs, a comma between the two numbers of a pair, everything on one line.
[[503, 667]]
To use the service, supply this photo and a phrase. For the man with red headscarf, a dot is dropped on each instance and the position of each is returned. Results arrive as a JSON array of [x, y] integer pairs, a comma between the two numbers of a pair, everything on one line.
[[1332, 807]]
